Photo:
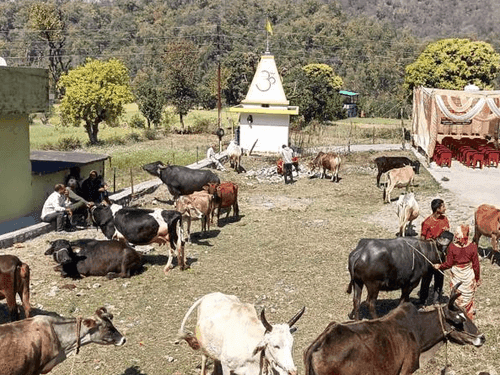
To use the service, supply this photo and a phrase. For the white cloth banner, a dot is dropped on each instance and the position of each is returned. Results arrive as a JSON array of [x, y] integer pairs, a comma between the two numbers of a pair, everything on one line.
[[493, 107], [465, 117]]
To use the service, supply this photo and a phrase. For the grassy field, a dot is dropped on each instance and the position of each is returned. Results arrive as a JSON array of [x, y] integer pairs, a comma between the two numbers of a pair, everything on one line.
[[129, 148], [288, 249]]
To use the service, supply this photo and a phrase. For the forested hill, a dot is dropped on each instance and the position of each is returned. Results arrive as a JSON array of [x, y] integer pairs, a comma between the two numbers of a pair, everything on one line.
[[367, 42], [433, 19]]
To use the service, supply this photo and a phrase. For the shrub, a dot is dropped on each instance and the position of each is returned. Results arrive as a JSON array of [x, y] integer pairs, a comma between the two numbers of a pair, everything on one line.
[[167, 119], [116, 140], [150, 134], [200, 126], [68, 143], [134, 137], [137, 122]]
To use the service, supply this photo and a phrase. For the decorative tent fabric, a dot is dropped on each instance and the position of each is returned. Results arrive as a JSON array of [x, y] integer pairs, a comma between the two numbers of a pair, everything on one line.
[[478, 111]]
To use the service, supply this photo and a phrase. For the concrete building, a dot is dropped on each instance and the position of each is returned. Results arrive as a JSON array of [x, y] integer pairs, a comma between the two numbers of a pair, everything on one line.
[[265, 112], [28, 177]]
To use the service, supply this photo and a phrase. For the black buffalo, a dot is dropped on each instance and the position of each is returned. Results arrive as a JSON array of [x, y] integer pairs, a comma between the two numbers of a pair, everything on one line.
[[390, 345], [386, 163], [181, 180], [142, 227], [95, 258], [393, 264]]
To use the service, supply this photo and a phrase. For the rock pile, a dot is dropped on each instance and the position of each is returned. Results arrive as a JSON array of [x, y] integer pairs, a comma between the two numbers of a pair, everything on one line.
[[269, 175]]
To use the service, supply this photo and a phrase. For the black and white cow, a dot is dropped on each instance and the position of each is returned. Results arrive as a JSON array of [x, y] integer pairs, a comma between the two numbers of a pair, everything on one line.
[[142, 227], [181, 180]]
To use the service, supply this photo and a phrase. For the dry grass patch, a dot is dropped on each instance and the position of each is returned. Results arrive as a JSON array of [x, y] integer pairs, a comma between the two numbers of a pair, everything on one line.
[[288, 249]]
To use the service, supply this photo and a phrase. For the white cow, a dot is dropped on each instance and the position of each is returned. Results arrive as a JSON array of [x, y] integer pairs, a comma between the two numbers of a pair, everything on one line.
[[408, 211], [230, 332], [234, 153]]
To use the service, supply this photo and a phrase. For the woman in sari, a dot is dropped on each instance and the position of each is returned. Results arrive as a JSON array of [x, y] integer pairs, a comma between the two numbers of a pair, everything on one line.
[[463, 262]]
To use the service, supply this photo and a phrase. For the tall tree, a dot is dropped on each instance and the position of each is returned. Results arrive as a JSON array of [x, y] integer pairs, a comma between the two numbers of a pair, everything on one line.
[[149, 95], [453, 64], [314, 88], [94, 93], [47, 20], [181, 70]]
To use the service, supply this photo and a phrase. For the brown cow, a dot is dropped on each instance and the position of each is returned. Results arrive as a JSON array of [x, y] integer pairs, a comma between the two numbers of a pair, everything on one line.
[[198, 205], [225, 195], [398, 177], [36, 345], [15, 279], [330, 161], [487, 223], [391, 345]]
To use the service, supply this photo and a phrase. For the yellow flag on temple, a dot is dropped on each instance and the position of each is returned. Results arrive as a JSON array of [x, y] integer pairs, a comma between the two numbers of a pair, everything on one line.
[[269, 28]]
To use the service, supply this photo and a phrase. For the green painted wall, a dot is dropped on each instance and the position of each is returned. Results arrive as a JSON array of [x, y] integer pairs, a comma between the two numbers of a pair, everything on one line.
[[22, 91], [15, 166]]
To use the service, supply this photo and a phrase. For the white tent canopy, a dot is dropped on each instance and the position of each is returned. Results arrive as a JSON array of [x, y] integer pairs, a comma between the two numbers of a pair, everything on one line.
[[438, 113]]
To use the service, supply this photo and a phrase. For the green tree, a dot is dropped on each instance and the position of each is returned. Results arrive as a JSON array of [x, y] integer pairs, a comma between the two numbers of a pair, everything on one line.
[[47, 20], [181, 76], [453, 64], [149, 95], [314, 88], [94, 93]]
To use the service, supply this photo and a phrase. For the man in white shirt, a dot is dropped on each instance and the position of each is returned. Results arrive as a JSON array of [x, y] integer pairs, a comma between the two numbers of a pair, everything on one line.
[[55, 209], [287, 155], [211, 156]]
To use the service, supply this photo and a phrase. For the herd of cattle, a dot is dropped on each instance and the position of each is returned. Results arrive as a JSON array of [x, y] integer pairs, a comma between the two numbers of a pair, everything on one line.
[[227, 330]]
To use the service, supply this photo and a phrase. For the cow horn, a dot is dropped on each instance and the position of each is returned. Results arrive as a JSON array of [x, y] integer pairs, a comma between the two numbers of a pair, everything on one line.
[[296, 317], [264, 321], [454, 294]]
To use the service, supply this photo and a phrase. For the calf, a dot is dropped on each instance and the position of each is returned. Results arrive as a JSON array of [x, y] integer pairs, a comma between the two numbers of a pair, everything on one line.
[[386, 163], [230, 332], [198, 205], [142, 227], [487, 223], [95, 258], [15, 279], [36, 345], [399, 177], [225, 195], [408, 211], [331, 161], [391, 345]]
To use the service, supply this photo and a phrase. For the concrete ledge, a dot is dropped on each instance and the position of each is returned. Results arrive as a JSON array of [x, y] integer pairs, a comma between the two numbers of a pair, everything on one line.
[[24, 234], [123, 197]]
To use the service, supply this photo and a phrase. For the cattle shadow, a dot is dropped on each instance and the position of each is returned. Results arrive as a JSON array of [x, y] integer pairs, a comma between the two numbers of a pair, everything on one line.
[[410, 232], [201, 238], [223, 221], [5, 316], [134, 370], [161, 260], [383, 307], [485, 254]]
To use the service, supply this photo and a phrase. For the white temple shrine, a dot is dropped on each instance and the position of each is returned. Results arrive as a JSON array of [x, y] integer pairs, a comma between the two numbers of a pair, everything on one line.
[[265, 112]]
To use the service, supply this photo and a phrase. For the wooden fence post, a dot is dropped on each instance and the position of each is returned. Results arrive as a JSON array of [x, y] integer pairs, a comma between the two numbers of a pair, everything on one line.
[[131, 184]]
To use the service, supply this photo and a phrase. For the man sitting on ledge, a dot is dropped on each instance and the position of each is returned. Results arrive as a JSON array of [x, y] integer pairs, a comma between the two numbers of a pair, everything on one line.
[[54, 208]]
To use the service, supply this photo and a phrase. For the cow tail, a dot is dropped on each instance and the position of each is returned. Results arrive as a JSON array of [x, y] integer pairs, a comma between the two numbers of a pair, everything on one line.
[[349, 287], [188, 336]]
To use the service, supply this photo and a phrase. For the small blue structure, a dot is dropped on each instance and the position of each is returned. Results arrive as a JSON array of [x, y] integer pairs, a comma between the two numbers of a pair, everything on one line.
[[350, 100]]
